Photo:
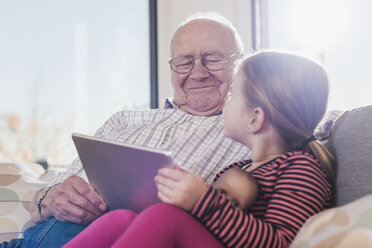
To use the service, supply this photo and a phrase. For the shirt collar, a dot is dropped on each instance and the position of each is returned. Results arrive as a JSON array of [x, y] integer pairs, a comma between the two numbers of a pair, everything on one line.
[[170, 104]]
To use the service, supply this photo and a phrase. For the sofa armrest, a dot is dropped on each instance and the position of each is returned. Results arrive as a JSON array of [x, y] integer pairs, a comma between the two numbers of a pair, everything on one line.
[[18, 184], [351, 144], [347, 226]]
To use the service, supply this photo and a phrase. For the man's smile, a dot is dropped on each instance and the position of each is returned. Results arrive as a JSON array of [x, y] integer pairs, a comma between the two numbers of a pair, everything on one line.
[[201, 87]]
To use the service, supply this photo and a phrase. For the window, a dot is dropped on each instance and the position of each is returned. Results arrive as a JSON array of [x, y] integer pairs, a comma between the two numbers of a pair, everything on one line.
[[335, 32], [66, 66]]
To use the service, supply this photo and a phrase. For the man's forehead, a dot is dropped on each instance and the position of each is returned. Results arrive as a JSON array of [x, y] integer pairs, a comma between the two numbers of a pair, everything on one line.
[[202, 52]]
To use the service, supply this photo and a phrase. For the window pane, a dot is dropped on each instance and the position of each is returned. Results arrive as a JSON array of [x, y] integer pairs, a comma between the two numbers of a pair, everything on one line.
[[66, 66], [335, 32]]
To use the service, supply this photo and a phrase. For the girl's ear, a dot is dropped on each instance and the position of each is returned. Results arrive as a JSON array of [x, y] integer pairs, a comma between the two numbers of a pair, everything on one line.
[[256, 120]]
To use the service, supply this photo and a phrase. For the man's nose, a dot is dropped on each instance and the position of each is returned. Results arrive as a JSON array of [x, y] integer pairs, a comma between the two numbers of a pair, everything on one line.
[[199, 71]]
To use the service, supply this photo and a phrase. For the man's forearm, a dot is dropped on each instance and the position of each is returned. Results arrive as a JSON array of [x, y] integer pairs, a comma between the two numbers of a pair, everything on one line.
[[74, 169]]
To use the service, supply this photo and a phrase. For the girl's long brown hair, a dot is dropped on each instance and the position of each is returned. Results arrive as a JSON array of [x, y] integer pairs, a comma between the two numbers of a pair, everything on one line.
[[293, 92]]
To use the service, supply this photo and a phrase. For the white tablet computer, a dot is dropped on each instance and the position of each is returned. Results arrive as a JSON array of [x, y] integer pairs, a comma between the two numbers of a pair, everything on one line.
[[122, 174]]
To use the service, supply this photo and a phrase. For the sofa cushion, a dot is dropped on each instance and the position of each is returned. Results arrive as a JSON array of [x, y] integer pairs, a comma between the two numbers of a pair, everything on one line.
[[347, 226], [18, 184], [351, 143]]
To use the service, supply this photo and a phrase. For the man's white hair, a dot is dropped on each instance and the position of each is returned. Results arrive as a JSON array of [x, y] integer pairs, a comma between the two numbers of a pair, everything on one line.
[[216, 17]]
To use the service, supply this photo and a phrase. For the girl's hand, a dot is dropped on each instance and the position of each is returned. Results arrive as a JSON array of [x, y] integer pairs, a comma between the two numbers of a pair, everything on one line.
[[179, 187]]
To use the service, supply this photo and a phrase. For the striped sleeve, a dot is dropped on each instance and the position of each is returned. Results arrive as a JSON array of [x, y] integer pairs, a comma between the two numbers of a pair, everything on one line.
[[298, 190]]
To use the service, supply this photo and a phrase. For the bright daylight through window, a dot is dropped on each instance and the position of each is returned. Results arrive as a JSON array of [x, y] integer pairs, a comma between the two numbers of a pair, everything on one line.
[[337, 33], [66, 66]]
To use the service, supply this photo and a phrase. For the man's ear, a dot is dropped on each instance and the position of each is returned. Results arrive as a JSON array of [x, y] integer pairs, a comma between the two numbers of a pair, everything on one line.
[[257, 120]]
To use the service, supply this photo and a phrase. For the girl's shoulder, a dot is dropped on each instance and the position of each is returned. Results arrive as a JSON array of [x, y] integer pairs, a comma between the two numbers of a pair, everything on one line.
[[293, 158], [291, 155], [299, 162], [285, 160]]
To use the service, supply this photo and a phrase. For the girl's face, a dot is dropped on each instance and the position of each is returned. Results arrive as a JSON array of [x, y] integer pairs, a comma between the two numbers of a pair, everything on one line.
[[235, 111]]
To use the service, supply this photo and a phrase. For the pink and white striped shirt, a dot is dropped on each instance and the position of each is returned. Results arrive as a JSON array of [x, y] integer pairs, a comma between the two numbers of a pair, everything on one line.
[[292, 188]]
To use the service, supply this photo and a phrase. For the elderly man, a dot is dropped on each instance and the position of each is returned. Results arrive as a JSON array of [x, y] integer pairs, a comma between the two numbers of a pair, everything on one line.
[[203, 51]]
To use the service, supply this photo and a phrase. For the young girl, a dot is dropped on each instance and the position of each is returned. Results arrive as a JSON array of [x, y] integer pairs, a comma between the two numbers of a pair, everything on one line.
[[276, 101]]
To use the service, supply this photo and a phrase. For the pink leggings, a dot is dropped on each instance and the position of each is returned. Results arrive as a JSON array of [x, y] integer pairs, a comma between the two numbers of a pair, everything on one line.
[[161, 225]]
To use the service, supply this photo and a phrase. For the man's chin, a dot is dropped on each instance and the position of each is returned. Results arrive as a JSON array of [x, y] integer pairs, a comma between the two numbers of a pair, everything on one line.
[[204, 108]]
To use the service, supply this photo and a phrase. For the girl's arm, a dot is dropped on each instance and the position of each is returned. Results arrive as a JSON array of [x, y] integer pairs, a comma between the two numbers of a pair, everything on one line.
[[300, 190]]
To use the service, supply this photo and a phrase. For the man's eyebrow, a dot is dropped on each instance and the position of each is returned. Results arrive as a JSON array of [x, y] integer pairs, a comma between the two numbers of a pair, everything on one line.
[[183, 55]]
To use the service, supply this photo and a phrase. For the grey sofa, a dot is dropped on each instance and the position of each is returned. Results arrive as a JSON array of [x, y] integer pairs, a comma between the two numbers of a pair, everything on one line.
[[349, 222]]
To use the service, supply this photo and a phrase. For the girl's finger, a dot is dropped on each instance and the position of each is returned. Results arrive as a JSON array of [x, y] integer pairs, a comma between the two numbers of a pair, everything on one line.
[[165, 191], [163, 197], [165, 181], [172, 173]]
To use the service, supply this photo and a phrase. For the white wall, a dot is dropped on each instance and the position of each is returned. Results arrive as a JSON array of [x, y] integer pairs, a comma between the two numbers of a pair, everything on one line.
[[173, 12]]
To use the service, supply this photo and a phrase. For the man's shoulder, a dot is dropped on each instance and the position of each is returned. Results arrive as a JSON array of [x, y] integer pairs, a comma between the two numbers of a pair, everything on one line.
[[124, 116], [141, 112]]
